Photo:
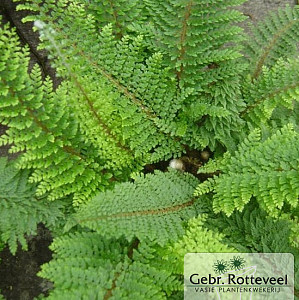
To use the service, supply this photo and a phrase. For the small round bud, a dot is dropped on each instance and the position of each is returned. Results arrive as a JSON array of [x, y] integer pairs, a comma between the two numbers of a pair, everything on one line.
[[204, 155], [39, 24], [176, 164]]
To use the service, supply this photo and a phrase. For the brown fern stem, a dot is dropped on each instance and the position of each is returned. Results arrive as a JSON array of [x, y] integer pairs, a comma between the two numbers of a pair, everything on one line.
[[96, 115], [110, 291], [115, 16], [268, 48], [183, 35], [161, 211], [134, 245], [259, 101]]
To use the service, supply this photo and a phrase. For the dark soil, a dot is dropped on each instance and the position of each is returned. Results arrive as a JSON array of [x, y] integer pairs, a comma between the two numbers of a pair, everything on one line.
[[18, 280]]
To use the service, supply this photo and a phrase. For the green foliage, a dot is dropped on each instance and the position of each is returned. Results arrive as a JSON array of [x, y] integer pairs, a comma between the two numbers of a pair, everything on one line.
[[272, 39], [197, 239], [116, 269], [41, 124], [266, 170], [89, 265], [120, 14], [152, 208], [252, 230], [275, 87], [19, 206], [192, 34], [202, 47], [144, 82]]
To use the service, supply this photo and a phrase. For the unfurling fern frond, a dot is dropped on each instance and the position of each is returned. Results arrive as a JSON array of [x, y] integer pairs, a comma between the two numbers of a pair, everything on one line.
[[273, 39], [20, 207], [88, 265], [266, 170], [152, 208]]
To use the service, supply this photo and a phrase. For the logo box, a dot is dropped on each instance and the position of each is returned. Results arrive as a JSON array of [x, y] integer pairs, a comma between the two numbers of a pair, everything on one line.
[[242, 276]]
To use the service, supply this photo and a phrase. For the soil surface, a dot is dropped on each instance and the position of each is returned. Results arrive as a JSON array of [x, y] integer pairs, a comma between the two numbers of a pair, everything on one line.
[[18, 279]]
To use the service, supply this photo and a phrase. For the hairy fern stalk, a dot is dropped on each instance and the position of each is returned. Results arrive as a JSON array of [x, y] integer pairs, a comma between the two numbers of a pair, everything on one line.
[[144, 82]]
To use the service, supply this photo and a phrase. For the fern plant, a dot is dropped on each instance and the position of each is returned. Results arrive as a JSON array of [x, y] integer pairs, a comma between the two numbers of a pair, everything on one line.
[[144, 82]]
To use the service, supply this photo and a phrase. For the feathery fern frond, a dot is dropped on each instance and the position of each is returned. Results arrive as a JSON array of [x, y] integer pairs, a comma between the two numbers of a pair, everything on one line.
[[252, 230], [133, 73], [199, 43], [20, 207], [266, 170], [192, 34], [275, 87], [133, 94], [41, 124], [273, 39], [89, 265], [152, 208]]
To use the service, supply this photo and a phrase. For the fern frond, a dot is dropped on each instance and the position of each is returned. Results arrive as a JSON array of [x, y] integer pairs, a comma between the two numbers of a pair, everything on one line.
[[197, 38], [121, 14], [20, 207], [125, 75], [275, 87], [150, 208], [265, 170], [89, 265], [126, 67], [192, 34], [273, 39], [197, 239], [41, 124], [252, 230]]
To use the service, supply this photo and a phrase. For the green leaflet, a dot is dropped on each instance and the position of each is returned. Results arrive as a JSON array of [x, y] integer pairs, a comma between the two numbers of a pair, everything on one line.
[[20, 207], [152, 208], [266, 170]]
